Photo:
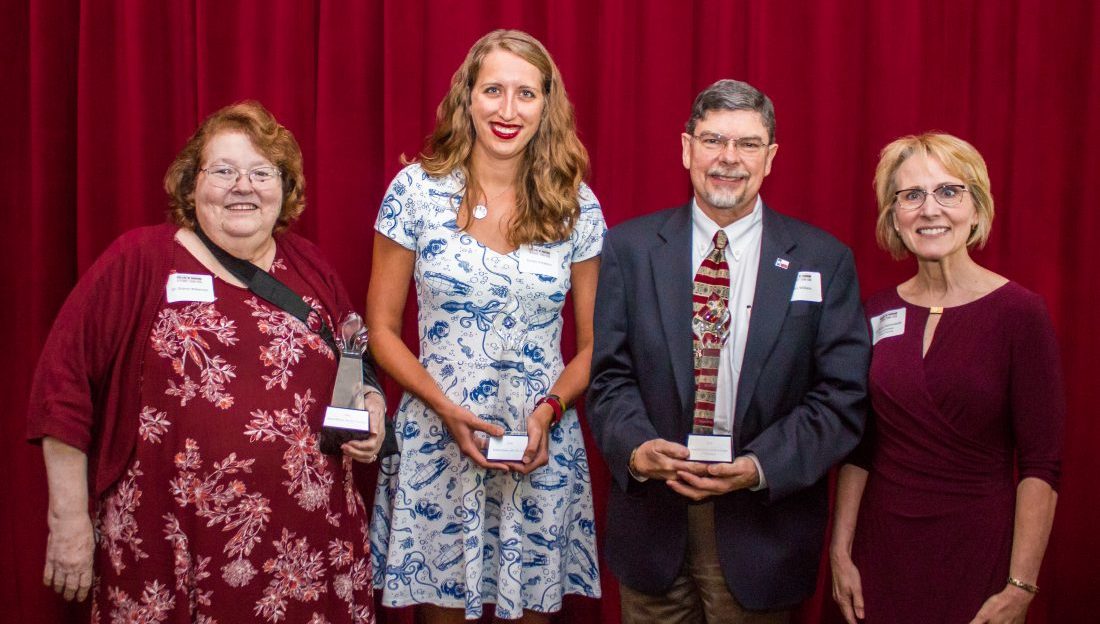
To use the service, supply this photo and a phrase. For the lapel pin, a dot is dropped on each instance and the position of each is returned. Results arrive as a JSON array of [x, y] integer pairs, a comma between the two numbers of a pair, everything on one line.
[[781, 263]]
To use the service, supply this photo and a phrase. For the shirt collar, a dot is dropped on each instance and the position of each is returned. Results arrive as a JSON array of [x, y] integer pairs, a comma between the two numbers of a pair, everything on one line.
[[704, 229]]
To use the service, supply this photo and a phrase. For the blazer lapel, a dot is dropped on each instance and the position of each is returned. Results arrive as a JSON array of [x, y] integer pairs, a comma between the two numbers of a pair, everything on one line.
[[774, 284], [672, 281]]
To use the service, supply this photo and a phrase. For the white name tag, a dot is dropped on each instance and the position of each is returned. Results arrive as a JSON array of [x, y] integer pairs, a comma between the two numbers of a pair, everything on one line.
[[710, 448], [807, 287], [889, 323], [508, 447], [190, 287], [539, 260], [347, 418]]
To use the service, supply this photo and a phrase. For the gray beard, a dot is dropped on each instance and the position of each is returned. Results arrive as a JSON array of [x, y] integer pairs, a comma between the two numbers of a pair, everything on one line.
[[723, 200]]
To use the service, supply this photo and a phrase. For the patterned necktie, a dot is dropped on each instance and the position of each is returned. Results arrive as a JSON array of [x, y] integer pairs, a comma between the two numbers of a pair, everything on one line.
[[710, 326]]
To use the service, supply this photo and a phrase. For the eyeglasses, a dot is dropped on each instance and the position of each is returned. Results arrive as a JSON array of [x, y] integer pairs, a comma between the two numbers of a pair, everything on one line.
[[711, 142], [947, 196], [224, 176]]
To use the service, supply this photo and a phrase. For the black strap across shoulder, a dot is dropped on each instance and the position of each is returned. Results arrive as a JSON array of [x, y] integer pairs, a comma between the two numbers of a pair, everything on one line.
[[268, 288]]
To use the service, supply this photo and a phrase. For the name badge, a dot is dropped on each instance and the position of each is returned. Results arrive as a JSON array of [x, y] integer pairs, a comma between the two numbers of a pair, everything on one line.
[[508, 447], [541, 260], [347, 418], [190, 287], [807, 287], [710, 448], [887, 324]]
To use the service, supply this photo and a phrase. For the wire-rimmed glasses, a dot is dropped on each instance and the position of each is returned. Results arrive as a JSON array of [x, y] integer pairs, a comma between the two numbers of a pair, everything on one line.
[[946, 195], [225, 176], [712, 142]]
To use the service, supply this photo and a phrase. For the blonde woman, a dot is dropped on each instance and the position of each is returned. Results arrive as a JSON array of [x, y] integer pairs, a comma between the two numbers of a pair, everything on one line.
[[944, 516]]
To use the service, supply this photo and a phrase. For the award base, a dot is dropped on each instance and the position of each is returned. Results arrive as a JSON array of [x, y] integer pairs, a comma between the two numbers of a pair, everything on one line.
[[508, 447], [710, 448], [343, 424]]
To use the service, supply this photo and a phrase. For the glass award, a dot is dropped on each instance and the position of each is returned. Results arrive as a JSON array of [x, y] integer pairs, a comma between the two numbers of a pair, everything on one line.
[[710, 327], [509, 333], [345, 418]]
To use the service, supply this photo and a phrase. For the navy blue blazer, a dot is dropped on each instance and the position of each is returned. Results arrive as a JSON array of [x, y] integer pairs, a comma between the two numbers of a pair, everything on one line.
[[801, 402]]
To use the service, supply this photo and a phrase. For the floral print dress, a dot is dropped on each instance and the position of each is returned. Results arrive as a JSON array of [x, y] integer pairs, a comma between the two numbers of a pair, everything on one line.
[[227, 511], [444, 531]]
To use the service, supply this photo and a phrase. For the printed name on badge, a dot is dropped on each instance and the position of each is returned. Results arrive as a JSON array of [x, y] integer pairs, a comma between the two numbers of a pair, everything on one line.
[[807, 287], [190, 287], [710, 448], [887, 324], [346, 418], [539, 259], [509, 447]]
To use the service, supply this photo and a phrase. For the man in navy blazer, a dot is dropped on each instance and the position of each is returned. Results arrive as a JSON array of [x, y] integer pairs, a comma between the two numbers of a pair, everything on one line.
[[734, 541]]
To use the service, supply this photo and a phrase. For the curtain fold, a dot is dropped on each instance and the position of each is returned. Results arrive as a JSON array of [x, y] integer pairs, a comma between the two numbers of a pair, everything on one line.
[[100, 97]]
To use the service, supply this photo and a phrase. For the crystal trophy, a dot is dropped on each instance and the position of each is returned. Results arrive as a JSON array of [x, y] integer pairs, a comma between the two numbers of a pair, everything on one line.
[[345, 418], [710, 327], [509, 333]]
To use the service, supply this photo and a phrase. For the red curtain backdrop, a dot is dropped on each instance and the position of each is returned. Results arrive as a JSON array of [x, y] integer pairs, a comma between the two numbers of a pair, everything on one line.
[[100, 95]]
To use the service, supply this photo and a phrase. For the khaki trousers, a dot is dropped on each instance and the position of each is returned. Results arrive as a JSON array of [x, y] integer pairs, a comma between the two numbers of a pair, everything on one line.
[[699, 595]]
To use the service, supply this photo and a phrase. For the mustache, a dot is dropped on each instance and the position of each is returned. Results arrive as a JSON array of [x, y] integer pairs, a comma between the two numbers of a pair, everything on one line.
[[728, 173]]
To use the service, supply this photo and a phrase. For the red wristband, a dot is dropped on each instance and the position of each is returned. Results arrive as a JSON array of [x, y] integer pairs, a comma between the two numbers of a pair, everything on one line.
[[554, 401]]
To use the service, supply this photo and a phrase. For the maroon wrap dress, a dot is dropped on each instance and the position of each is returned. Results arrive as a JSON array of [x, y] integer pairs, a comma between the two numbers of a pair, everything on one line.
[[951, 435]]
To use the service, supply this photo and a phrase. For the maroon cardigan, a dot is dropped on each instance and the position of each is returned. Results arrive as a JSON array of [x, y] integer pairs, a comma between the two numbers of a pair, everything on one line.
[[87, 386]]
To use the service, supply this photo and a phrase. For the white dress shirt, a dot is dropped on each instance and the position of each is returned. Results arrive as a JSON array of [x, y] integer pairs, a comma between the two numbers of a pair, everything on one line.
[[743, 258]]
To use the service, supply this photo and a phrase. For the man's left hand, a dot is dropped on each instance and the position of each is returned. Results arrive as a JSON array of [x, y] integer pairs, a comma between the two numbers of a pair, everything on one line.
[[720, 478]]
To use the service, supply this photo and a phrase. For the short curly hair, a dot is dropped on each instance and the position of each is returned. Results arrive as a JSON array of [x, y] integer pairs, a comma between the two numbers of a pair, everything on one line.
[[267, 135], [957, 157]]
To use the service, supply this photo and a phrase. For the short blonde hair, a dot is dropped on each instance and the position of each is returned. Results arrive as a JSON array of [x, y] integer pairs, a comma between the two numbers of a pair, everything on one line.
[[267, 135], [957, 157]]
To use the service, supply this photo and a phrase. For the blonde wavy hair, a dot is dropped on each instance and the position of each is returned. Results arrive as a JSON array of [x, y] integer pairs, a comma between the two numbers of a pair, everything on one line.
[[554, 161], [957, 157], [267, 135]]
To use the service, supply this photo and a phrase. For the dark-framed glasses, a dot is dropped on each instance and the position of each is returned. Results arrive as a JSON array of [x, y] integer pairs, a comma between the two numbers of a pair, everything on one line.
[[711, 142], [947, 195], [224, 176]]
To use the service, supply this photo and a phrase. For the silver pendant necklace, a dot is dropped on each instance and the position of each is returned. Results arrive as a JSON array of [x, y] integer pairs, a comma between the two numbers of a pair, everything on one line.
[[481, 209]]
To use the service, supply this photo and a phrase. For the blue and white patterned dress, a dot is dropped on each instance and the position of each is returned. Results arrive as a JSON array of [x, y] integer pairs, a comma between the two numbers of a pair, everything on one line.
[[445, 531]]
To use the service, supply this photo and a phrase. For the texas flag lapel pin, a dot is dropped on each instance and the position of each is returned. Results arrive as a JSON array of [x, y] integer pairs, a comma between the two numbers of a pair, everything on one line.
[[781, 263]]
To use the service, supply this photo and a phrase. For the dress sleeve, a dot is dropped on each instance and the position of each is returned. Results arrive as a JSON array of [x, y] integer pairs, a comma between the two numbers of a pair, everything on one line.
[[590, 229], [1037, 395], [398, 218]]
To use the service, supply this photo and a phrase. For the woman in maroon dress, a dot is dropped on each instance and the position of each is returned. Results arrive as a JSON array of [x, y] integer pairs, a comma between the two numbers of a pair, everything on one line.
[[943, 515], [188, 408]]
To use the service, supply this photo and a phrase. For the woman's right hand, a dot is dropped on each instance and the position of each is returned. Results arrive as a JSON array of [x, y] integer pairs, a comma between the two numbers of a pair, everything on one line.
[[462, 423], [69, 551], [847, 587]]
